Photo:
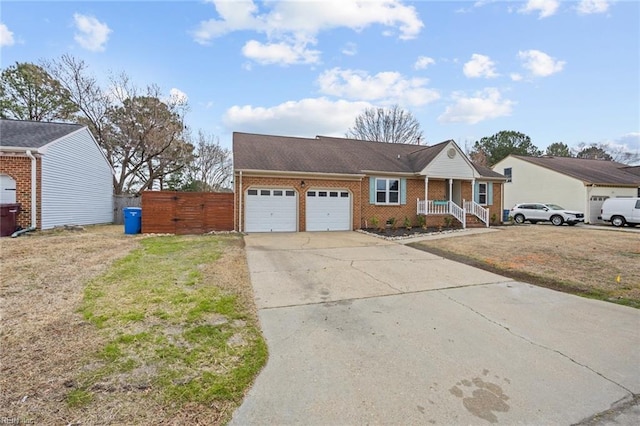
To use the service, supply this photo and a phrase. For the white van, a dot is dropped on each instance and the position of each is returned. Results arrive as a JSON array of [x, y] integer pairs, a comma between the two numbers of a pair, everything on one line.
[[619, 211]]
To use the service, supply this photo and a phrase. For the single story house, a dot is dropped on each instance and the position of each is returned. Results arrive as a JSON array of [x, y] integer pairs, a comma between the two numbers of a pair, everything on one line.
[[290, 184], [573, 183], [57, 172]]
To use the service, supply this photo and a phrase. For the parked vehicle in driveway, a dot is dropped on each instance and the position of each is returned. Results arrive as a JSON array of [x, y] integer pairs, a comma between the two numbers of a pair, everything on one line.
[[545, 212], [621, 211]]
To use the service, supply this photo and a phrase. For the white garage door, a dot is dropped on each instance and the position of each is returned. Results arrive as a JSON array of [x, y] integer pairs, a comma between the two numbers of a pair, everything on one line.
[[595, 204], [328, 210], [270, 210]]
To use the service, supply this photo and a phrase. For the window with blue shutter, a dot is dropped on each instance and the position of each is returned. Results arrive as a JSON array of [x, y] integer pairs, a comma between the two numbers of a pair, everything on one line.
[[387, 191]]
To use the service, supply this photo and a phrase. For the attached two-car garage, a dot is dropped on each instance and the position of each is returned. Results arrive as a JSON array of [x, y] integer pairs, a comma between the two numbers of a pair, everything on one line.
[[276, 210]]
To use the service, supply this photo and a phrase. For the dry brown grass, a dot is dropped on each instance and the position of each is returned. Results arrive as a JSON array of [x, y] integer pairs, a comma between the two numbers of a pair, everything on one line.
[[598, 263], [43, 339], [45, 343]]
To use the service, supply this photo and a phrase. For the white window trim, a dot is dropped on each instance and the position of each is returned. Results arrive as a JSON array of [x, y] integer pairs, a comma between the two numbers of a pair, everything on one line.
[[486, 193], [387, 192]]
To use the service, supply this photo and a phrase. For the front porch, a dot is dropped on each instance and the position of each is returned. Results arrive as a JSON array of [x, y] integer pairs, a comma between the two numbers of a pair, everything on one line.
[[449, 208]]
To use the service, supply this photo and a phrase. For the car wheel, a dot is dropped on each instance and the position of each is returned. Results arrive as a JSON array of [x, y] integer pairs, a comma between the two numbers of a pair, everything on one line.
[[519, 218], [557, 220], [617, 221]]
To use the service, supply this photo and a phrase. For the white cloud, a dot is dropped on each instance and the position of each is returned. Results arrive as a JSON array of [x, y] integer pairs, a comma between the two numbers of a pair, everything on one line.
[[299, 22], [482, 106], [423, 62], [480, 66], [539, 63], [178, 97], [385, 87], [515, 76], [6, 36], [296, 118], [92, 34], [280, 53], [587, 7], [350, 49], [544, 8], [302, 17]]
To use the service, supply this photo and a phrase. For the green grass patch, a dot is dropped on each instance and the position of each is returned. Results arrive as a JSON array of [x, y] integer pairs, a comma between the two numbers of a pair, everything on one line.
[[164, 316], [78, 398]]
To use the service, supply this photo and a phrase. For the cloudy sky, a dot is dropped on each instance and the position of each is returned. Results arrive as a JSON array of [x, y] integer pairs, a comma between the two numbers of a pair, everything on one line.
[[557, 71]]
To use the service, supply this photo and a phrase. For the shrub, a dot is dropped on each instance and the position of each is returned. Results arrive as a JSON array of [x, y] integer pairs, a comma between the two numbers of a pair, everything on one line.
[[407, 223], [422, 221]]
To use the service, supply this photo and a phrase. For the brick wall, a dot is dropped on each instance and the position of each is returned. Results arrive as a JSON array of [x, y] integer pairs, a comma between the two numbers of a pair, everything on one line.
[[363, 211], [19, 168], [249, 182], [415, 190]]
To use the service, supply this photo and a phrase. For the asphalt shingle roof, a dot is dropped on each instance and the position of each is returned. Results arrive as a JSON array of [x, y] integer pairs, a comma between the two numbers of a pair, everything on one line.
[[599, 172], [331, 155], [32, 134]]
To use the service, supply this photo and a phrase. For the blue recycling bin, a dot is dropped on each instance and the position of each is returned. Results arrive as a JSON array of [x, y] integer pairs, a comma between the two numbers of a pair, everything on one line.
[[132, 220], [505, 215]]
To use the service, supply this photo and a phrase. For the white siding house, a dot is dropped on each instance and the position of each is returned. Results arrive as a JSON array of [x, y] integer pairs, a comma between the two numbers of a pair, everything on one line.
[[61, 174], [573, 183]]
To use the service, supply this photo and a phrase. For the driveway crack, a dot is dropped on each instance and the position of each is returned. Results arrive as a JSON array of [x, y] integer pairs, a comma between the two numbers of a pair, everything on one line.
[[374, 278], [535, 343]]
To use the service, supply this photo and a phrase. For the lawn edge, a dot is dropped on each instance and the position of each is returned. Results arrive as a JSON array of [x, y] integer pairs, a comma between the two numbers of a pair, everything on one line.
[[540, 281]]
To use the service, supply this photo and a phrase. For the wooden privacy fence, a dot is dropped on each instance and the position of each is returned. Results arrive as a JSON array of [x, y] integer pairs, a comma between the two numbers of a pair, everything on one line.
[[122, 201], [186, 212]]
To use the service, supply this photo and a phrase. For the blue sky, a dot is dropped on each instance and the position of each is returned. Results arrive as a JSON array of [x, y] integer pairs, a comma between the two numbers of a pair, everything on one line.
[[557, 71]]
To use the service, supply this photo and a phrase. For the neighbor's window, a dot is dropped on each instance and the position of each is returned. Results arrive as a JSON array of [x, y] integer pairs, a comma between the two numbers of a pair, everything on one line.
[[482, 193], [507, 174], [387, 191]]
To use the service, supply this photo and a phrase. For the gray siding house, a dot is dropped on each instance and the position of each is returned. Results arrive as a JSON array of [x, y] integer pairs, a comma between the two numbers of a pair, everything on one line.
[[57, 172]]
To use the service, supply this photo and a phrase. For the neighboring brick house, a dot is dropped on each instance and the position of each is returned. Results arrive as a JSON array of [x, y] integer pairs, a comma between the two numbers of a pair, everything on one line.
[[326, 184], [56, 172], [574, 183]]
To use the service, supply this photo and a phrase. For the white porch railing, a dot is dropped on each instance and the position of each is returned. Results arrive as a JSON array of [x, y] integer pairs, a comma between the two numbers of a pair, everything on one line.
[[428, 207], [478, 211]]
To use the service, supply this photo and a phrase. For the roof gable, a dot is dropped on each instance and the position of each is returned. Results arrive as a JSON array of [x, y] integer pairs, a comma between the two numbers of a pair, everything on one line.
[[597, 172], [33, 134]]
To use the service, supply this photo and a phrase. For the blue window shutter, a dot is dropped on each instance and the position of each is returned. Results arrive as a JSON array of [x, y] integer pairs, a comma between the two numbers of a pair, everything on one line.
[[476, 192], [403, 191], [372, 190], [490, 193]]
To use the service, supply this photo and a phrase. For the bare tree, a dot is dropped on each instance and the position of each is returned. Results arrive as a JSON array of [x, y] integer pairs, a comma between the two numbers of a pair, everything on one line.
[[141, 132], [604, 151], [211, 168], [84, 91], [393, 125], [146, 137]]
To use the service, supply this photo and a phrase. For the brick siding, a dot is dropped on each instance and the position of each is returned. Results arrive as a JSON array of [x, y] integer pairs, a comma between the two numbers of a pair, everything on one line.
[[19, 168], [363, 211]]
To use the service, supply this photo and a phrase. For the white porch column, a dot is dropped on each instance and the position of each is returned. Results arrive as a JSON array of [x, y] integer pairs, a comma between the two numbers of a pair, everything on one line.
[[450, 189], [473, 189], [426, 190]]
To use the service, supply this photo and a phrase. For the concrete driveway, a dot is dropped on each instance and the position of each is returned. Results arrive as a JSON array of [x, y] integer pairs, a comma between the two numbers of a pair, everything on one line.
[[365, 331]]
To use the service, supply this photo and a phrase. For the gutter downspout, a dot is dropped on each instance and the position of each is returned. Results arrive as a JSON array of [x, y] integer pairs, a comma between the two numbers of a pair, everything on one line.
[[34, 198], [240, 204]]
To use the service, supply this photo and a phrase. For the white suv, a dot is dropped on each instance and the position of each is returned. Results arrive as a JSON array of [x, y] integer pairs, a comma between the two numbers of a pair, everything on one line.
[[543, 212]]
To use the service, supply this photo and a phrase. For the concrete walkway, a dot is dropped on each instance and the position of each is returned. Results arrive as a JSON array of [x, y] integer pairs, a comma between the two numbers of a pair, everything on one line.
[[366, 331]]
